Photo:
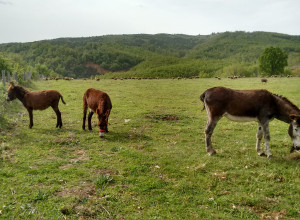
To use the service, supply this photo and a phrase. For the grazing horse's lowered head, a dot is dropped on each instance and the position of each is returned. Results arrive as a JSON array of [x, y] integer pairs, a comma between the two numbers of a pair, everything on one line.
[[98, 102], [250, 105], [36, 100]]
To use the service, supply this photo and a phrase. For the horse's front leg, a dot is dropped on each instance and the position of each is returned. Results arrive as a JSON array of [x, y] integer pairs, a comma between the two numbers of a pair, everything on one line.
[[210, 126], [259, 136], [84, 117], [90, 120], [30, 117], [266, 131]]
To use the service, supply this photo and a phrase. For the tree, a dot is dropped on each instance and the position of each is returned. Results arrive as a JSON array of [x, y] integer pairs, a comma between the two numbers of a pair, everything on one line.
[[272, 61], [4, 64]]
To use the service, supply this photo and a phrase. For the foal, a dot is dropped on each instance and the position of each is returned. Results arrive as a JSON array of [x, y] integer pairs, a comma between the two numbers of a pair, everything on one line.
[[250, 105], [36, 100], [98, 102]]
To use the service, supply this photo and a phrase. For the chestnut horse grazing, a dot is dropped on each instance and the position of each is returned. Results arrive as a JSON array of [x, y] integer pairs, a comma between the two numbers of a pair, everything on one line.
[[98, 102], [250, 105], [36, 100]]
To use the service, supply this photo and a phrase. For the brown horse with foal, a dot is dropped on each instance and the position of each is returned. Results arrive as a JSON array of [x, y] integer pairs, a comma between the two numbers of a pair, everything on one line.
[[36, 100], [250, 105]]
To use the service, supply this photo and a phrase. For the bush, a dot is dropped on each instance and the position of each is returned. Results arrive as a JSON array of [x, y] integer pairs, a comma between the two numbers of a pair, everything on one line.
[[239, 69]]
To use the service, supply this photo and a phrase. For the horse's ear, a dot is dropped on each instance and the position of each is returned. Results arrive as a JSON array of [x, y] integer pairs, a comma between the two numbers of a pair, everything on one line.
[[294, 117], [11, 85]]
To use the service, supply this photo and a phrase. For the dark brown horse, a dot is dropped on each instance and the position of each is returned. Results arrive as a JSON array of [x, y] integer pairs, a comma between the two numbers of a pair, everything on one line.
[[36, 100], [98, 102], [250, 105]]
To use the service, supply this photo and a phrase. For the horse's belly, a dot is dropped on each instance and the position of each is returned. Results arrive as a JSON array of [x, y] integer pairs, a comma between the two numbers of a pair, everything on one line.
[[240, 118]]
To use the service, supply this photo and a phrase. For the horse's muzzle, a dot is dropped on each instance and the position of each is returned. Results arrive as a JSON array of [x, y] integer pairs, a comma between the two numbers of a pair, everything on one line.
[[101, 134]]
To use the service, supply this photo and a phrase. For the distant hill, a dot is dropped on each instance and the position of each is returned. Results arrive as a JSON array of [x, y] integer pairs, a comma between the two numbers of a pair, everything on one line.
[[160, 55]]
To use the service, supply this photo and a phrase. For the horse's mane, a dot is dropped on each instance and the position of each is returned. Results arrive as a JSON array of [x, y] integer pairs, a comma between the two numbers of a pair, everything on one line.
[[287, 101], [21, 89]]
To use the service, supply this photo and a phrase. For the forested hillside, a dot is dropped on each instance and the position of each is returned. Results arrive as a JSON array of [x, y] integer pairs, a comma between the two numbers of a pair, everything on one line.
[[161, 55]]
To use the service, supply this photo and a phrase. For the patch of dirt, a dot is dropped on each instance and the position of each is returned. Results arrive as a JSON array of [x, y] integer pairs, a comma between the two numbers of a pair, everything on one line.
[[104, 171], [163, 117], [294, 156], [97, 67], [65, 167], [275, 215], [85, 190], [81, 156]]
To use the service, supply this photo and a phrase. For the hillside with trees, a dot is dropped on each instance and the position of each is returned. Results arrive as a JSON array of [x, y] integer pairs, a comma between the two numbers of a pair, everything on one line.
[[160, 55]]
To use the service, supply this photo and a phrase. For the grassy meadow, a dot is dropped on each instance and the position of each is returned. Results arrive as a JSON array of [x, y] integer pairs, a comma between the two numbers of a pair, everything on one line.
[[152, 164]]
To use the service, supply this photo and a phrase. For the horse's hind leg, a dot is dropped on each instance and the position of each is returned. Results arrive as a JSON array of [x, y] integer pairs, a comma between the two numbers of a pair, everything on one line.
[[259, 136], [90, 119], [266, 131], [210, 126], [30, 117], [58, 116]]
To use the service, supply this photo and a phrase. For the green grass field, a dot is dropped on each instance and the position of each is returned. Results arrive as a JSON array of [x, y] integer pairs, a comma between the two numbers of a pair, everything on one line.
[[152, 164]]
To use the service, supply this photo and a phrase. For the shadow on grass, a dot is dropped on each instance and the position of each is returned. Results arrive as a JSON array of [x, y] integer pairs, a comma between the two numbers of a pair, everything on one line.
[[125, 137], [81, 134]]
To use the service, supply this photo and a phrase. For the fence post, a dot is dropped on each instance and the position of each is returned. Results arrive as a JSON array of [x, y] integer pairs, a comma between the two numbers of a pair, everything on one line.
[[28, 76], [14, 76], [24, 76], [3, 77], [8, 76]]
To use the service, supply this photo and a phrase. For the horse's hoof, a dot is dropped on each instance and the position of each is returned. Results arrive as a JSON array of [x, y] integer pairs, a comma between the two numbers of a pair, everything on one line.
[[262, 154], [270, 156], [211, 153]]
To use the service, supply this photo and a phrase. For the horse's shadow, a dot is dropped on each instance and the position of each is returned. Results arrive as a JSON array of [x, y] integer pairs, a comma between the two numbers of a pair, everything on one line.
[[117, 136], [126, 136]]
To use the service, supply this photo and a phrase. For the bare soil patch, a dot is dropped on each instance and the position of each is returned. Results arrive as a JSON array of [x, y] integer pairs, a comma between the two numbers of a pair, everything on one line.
[[163, 117]]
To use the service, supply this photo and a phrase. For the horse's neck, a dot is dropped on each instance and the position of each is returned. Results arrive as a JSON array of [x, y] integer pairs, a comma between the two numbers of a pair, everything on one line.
[[20, 94], [284, 110]]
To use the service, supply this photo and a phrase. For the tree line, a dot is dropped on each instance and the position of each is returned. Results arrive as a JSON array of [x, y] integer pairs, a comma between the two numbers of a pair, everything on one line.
[[161, 55]]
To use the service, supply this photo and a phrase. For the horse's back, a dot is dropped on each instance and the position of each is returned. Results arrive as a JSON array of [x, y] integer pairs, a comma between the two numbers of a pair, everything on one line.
[[40, 100], [93, 97], [237, 102]]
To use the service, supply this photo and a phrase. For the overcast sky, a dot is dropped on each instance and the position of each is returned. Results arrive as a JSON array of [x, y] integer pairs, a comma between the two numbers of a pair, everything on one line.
[[32, 20]]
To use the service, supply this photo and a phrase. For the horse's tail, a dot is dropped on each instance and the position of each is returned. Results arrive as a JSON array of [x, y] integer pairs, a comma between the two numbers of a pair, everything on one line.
[[61, 97], [202, 97]]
